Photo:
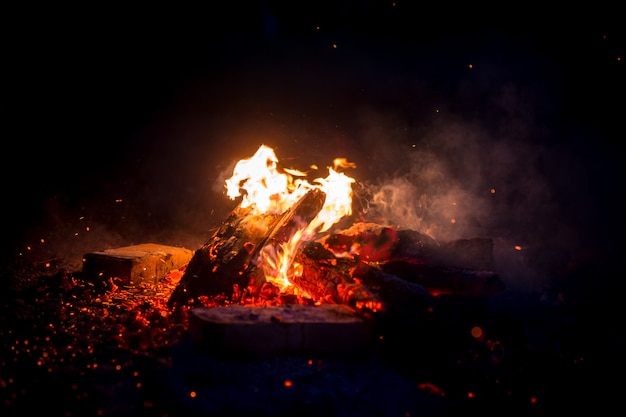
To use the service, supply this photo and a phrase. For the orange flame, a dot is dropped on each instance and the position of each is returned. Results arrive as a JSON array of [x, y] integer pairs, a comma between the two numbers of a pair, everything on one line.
[[268, 190]]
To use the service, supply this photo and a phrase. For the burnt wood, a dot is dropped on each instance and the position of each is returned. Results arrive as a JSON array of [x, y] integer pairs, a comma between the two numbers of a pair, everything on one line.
[[460, 266], [221, 266], [367, 266], [326, 278], [399, 296], [444, 279]]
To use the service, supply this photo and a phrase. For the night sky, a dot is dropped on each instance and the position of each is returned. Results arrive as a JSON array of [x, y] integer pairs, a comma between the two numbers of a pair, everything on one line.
[[125, 122]]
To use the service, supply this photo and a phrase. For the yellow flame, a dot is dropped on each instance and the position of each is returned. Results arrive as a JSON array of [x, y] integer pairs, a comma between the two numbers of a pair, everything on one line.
[[268, 190], [278, 262], [338, 189]]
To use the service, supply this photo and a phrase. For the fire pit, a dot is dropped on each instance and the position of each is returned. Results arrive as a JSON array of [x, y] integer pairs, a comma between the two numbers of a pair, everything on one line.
[[287, 236], [292, 255]]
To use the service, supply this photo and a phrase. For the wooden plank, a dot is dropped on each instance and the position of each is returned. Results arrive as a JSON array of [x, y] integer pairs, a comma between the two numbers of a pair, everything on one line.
[[147, 262], [239, 330]]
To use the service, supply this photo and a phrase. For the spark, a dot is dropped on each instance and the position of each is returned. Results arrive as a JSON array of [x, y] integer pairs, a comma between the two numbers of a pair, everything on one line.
[[477, 332], [431, 388]]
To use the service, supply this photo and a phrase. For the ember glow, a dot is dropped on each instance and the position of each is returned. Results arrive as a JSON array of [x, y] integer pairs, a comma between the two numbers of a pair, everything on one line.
[[266, 189]]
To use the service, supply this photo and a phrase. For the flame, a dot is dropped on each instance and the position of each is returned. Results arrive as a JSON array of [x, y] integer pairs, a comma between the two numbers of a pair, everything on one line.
[[278, 263], [267, 190], [338, 189]]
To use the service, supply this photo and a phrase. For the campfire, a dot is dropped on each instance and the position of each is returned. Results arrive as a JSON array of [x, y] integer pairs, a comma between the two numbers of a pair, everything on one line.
[[291, 241], [308, 269]]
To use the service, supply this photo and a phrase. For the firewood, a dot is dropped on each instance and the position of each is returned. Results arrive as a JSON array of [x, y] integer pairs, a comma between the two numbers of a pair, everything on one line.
[[446, 280], [397, 294], [328, 279], [460, 266], [222, 264], [371, 242], [368, 241]]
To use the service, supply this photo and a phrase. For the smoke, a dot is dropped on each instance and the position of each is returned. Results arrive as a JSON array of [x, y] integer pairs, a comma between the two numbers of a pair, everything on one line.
[[490, 160], [460, 182]]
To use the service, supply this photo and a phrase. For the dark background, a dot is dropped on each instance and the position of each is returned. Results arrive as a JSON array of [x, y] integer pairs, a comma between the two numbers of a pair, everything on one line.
[[123, 123]]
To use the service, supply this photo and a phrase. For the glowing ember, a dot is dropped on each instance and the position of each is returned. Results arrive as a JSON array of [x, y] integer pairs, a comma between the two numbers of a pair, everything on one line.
[[267, 190]]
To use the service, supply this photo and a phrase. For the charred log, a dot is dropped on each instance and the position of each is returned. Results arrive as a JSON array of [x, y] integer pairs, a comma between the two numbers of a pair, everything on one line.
[[457, 267], [371, 242], [446, 280], [398, 295], [221, 266], [368, 241], [329, 279]]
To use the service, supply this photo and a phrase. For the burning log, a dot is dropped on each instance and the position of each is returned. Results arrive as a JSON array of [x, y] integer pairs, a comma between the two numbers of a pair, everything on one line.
[[372, 242], [240, 331], [329, 279], [222, 265], [460, 267], [362, 266], [362, 286]]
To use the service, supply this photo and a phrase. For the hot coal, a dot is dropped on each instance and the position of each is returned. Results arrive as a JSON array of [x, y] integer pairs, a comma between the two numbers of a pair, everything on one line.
[[81, 347]]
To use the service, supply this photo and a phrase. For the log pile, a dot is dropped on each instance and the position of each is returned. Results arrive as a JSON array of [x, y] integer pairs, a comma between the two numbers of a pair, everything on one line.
[[224, 265], [368, 267]]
